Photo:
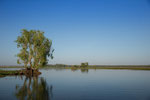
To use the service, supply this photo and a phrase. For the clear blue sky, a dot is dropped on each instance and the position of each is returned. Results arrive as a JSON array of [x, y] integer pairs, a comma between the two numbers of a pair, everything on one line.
[[95, 31]]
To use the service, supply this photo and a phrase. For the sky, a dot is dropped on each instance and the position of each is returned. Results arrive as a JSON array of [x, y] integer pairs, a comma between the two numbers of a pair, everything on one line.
[[101, 32]]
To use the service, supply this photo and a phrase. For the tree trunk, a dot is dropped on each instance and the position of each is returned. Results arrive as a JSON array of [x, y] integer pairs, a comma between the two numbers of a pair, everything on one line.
[[30, 62]]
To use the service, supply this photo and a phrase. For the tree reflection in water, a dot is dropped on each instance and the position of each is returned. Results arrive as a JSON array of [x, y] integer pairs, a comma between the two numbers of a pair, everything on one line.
[[34, 88], [84, 70]]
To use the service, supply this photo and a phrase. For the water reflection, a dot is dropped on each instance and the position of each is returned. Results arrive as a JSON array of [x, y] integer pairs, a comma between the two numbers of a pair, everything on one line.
[[34, 88], [74, 69], [84, 70]]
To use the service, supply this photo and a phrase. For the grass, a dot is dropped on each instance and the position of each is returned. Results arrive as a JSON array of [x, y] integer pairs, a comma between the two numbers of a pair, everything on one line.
[[2, 76], [11, 66], [8, 72], [61, 66], [115, 67]]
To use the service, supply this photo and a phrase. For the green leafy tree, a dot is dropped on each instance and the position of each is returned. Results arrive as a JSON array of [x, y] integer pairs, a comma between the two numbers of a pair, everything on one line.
[[35, 48], [84, 64]]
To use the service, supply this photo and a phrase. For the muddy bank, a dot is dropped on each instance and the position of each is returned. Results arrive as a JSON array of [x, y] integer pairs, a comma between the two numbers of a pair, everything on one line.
[[27, 72]]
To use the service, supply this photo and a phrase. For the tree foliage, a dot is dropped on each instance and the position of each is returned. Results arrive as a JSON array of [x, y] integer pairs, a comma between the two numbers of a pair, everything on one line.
[[35, 48], [84, 64]]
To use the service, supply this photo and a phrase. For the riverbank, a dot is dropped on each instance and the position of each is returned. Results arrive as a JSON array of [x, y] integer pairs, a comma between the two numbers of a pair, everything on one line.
[[3, 73], [27, 72], [11, 66], [61, 66], [115, 67], [72, 67]]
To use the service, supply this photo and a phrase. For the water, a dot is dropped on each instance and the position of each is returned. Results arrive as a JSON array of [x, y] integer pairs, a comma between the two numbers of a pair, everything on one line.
[[69, 84]]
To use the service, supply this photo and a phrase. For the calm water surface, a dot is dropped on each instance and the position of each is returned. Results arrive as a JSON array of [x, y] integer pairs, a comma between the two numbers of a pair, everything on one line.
[[69, 84]]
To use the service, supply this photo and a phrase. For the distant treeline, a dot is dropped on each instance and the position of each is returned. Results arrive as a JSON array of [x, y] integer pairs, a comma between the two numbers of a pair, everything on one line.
[[64, 65], [86, 66]]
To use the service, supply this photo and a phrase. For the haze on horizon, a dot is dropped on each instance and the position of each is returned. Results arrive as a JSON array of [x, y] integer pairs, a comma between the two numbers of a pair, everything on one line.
[[101, 32]]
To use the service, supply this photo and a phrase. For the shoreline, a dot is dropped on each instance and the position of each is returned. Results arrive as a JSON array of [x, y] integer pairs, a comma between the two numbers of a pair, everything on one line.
[[27, 72], [113, 68], [128, 67], [4, 73]]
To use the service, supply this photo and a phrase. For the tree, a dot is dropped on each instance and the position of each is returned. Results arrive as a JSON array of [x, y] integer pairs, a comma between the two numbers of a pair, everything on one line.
[[35, 48], [84, 64]]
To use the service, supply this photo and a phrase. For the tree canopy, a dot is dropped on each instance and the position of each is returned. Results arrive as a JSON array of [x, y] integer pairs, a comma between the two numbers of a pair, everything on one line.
[[35, 48]]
